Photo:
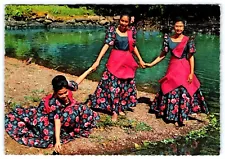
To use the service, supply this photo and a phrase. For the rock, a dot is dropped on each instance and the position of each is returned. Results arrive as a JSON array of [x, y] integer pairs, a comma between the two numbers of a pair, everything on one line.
[[94, 18], [104, 22], [102, 18], [84, 22], [72, 21], [80, 19], [40, 19], [47, 21], [34, 17], [116, 17]]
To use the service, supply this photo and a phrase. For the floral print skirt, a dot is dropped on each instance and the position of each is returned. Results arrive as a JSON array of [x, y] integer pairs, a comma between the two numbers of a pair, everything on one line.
[[177, 105], [114, 94], [32, 127]]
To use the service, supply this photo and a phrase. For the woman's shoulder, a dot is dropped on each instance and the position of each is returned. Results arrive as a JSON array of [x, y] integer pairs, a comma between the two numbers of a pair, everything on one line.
[[49, 99], [166, 37], [111, 28]]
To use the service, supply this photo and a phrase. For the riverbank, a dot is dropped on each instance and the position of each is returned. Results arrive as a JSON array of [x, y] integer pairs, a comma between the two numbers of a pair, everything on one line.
[[45, 20], [27, 84]]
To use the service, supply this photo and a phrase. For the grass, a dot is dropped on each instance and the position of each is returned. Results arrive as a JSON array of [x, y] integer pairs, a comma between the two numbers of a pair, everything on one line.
[[35, 96], [193, 135], [97, 138], [126, 124], [55, 10], [12, 105]]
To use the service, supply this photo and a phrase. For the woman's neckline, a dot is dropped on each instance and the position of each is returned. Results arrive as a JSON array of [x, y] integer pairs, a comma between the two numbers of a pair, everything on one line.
[[177, 41], [120, 34]]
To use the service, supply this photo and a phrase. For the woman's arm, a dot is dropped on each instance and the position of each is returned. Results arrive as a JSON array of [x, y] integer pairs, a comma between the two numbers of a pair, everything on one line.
[[157, 60], [83, 76], [191, 61], [142, 63], [101, 54], [94, 66], [57, 135]]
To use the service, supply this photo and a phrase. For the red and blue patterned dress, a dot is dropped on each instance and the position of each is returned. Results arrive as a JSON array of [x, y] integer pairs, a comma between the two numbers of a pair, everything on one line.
[[34, 126], [177, 99], [113, 93]]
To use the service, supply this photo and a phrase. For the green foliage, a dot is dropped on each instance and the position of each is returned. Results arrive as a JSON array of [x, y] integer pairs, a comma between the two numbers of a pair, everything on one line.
[[38, 91], [187, 144], [12, 105], [32, 98], [55, 10], [167, 141], [141, 12], [35, 96], [97, 138], [141, 126], [105, 121], [124, 123], [203, 132]]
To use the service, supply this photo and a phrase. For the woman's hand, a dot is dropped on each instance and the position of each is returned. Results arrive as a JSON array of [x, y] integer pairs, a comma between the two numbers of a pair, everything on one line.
[[57, 147], [148, 64], [95, 65], [142, 63], [190, 78]]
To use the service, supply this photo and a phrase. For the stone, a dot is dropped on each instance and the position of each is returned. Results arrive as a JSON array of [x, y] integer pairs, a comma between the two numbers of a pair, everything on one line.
[[94, 18], [101, 18], [104, 22], [40, 19], [80, 19], [47, 21], [72, 21], [116, 17]]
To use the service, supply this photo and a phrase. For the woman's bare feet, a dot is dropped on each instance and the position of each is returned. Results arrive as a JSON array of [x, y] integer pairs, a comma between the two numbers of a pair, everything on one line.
[[122, 113], [185, 122], [114, 117], [194, 115], [176, 124]]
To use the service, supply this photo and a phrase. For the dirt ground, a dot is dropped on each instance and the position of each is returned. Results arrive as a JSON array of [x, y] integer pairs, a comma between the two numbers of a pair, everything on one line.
[[23, 81]]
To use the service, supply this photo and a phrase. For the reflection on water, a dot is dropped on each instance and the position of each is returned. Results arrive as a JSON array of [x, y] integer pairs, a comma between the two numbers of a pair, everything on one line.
[[74, 50]]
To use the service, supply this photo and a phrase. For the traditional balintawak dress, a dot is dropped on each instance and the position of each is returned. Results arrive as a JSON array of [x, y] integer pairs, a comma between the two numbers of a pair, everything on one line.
[[117, 90], [177, 98], [35, 126]]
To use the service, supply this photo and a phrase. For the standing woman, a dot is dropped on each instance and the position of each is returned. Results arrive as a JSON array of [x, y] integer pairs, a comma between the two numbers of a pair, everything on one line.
[[116, 91], [180, 94]]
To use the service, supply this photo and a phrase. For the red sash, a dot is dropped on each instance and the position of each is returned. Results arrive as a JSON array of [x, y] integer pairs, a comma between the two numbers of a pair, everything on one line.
[[46, 100], [178, 72], [122, 63], [179, 49]]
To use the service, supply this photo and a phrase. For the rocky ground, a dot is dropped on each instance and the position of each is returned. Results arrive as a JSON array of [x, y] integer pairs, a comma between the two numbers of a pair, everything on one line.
[[27, 84]]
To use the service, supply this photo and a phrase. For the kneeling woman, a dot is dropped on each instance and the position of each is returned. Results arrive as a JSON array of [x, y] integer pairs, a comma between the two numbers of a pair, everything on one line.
[[59, 118]]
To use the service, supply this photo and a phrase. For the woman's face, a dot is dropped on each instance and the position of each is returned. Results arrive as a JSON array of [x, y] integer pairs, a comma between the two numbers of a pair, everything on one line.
[[124, 22], [179, 27], [62, 94]]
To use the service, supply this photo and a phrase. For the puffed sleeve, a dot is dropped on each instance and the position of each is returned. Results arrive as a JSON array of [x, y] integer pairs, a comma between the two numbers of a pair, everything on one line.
[[110, 35], [165, 45], [55, 111], [191, 45], [73, 86]]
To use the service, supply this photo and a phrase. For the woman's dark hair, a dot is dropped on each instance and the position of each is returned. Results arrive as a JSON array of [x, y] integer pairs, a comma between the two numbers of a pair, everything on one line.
[[178, 19], [59, 82], [125, 12]]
